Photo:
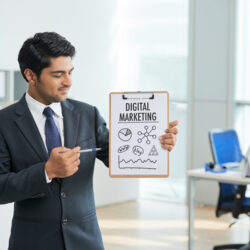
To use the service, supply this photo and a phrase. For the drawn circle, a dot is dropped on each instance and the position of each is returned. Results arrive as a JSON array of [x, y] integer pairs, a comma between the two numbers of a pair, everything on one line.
[[125, 134], [148, 141], [137, 150], [154, 127], [139, 140], [154, 136], [146, 127], [139, 133]]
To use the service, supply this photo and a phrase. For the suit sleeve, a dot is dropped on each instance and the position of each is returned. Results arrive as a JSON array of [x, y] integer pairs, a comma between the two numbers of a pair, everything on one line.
[[102, 138], [25, 184]]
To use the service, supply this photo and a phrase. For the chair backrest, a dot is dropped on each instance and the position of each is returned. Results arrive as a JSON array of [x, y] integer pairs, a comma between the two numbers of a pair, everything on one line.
[[225, 148]]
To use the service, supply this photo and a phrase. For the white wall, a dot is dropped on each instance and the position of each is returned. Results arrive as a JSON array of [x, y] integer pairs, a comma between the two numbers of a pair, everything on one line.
[[88, 25], [210, 82]]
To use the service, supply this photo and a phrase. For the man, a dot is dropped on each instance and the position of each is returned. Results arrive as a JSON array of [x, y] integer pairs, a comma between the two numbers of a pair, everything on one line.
[[41, 169]]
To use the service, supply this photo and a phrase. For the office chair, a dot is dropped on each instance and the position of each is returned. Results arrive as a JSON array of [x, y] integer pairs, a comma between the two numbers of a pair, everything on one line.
[[225, 148]]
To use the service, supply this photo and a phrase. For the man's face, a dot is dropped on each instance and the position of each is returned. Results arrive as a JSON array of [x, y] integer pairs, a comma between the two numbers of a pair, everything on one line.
[[54, 82]]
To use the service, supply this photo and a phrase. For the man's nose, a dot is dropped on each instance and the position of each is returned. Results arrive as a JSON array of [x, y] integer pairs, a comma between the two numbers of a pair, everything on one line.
[[67, 80]]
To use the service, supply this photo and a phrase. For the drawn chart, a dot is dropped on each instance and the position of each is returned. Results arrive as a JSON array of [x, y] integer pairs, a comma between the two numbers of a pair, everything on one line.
[[125, 134], [136, 164], [153, 151]]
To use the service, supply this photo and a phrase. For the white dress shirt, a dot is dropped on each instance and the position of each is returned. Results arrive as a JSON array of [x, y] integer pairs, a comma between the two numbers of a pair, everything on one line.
[[36, 108]]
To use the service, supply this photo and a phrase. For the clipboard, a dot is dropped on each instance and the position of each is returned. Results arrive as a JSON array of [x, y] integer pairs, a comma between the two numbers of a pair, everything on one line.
[[136, 121]]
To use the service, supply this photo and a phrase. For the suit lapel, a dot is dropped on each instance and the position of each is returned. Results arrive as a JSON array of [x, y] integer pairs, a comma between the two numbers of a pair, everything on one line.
[[71, 123], [27, 125]]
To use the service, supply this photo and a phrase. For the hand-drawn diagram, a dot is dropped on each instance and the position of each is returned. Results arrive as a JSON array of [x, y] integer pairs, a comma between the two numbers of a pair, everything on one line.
[[147, 134], [137, 150], [153, 151], [137, 164], [136, 121], [125, 134], [123, 148]]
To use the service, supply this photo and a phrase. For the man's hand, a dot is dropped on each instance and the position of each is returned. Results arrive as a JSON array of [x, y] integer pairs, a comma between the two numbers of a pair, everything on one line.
[[168, 140], [63, 162]]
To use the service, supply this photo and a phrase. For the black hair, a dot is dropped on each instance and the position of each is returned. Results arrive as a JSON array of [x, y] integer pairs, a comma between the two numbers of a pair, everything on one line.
[[37, 51]]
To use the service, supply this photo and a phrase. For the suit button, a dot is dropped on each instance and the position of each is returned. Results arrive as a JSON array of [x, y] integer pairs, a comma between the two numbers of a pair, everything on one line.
[[65, 221], [63, 195]]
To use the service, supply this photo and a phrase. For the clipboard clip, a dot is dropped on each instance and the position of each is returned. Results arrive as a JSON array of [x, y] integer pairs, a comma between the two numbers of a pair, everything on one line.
[[138, 92]]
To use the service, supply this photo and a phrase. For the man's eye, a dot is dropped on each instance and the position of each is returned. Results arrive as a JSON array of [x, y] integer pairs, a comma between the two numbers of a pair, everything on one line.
[[57, 76]]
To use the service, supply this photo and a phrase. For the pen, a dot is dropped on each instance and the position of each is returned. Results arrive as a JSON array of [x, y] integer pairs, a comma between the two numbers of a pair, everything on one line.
[[89, 150]]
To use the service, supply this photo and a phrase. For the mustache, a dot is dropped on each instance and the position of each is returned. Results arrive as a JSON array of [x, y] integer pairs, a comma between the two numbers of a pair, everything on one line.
[[62, 88]]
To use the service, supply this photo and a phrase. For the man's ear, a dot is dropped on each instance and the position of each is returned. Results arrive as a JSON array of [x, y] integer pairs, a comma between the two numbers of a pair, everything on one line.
[[31, 76]]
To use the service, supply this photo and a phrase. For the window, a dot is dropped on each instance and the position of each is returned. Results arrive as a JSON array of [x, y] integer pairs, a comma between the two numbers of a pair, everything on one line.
[[150, 53], [242, 89], [12, 86]]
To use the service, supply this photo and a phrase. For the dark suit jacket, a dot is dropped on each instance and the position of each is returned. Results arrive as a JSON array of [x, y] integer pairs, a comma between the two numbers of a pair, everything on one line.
[[59, 215]]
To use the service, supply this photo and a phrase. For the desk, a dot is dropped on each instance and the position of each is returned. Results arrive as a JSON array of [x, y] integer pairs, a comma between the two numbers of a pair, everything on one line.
[[233, 177]]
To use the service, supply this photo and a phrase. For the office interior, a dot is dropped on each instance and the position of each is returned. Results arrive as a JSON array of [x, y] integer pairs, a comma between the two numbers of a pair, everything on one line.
[[199, 51]]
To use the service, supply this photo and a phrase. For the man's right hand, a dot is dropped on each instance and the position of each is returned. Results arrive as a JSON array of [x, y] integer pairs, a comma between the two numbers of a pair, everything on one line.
[[63, 162]]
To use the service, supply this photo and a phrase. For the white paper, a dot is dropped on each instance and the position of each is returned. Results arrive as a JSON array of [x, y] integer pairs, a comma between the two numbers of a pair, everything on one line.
[[136, 125]]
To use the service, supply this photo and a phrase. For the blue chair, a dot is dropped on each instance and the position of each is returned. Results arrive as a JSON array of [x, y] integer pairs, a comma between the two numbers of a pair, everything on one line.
[[225, 148]]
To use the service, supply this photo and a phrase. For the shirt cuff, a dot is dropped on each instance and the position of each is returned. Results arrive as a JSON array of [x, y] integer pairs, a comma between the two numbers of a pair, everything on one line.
[[47, 178]]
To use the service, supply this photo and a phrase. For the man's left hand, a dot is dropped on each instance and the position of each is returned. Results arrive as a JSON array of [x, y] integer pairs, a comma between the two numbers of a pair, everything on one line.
[[168, 140]]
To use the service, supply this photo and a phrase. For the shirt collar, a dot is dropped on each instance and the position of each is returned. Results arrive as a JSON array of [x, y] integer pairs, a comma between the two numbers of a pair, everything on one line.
[[39, 107]]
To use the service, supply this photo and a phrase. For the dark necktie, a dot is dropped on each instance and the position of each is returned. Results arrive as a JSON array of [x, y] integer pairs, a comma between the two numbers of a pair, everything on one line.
[[53, 139]]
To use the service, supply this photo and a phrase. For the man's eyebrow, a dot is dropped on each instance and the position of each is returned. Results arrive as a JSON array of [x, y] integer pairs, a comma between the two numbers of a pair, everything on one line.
[[60, 71]]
